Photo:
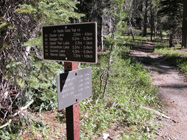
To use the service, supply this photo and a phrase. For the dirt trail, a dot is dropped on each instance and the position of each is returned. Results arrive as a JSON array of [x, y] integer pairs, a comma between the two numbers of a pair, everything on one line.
[[173, 92]]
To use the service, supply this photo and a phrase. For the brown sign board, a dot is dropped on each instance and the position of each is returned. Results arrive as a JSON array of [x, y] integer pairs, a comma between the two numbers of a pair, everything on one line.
[[70, 42], [74, 86]]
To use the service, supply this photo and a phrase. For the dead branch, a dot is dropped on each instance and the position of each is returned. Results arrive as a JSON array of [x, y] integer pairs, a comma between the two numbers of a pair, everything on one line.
[[15, 114], [156, 112]]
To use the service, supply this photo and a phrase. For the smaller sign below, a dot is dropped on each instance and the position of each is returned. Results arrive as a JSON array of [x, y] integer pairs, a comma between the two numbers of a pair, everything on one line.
[[74, 86]]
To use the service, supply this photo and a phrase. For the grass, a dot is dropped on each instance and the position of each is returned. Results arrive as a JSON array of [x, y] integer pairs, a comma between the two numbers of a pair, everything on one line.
[[129, 88], [177, 56], [162, 45]]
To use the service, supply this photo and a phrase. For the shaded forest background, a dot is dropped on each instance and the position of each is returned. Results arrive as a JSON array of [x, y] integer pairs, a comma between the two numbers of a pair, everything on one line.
[[26, 78]]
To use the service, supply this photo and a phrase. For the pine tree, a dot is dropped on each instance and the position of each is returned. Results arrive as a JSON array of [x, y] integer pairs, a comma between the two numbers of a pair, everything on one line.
[[172, 10]]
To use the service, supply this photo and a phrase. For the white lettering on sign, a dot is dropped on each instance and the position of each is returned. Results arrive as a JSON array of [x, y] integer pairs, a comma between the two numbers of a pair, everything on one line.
[[53, 43], [66, 47], [60, 31], [53, 54], [62, 55], [88, 34], [52, 50], [66, 43], [88, 56], [78, 43], [76, 34], [59, 43], [77, 55], [67, 30], [62, 51], [53, 39], [52, 35], [77, 40], [73, 87], [87, 38], [74, 30]]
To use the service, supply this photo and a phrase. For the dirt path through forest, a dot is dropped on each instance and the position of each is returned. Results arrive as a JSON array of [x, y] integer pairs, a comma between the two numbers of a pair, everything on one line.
[[173, 92]]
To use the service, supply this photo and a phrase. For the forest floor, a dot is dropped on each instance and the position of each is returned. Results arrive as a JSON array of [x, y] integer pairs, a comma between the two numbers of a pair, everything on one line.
[[173, 92]]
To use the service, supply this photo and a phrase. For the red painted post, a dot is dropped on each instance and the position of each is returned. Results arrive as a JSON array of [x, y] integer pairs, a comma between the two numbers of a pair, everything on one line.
[[72, 112]]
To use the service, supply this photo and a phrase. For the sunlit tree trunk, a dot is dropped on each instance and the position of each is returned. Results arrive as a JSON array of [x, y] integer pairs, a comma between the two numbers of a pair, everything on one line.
[[152, 24], [155, 26], [184, 28], [156, 21], [102, 47], [100, 39]]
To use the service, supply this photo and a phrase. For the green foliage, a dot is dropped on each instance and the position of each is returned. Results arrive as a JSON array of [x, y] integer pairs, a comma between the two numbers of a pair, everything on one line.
[[129, 88], [175, 57], [162, 45], [24, 73], [41, 79], [17, 128], [120, 88], [51, 12], [3, 23], [171, 13], [120, 84]]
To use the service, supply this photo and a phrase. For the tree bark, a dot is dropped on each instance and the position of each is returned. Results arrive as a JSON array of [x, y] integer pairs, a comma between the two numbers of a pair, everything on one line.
[[152, 24], [184, 28], [161, 34], [155, 26], [171, 39], [145, 19], [102, 47], [131, 27]]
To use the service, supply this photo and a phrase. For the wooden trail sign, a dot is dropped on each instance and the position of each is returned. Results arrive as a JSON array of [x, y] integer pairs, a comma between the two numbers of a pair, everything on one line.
[[71, 42]]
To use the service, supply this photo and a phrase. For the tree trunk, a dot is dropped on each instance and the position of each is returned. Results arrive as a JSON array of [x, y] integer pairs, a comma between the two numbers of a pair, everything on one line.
[[131, 28], [184, 28], [155, 27], [152, 24], [156, 22], [110, 26], [171, 39], [102, 47], [161, 34], [145, 19]]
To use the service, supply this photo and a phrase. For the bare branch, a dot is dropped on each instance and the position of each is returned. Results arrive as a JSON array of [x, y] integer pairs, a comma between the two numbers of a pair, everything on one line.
[[15, 114]]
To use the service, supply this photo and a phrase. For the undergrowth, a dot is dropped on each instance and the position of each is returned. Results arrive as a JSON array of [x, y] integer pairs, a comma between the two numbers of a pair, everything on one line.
[[175, 57], [129, 88]]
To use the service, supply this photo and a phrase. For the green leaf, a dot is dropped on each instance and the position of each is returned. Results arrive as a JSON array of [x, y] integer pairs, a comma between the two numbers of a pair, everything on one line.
[[21, 82], [13, 64]]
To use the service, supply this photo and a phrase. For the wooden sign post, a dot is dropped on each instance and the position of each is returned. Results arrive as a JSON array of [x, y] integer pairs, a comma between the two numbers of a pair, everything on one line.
[[72, 112], [72, 43], [72, 122]]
